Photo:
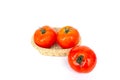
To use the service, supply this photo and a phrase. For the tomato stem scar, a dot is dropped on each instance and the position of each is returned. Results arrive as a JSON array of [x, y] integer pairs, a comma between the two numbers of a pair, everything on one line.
[[43, 31], [66, 30], [80, 59]]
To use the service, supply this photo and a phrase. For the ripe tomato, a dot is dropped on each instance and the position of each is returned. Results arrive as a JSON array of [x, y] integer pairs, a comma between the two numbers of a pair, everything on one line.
[[68, 37], [45, 37], [82, 59]]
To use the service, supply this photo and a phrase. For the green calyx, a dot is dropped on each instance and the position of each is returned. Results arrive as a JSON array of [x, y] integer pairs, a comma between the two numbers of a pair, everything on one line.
[[80, 59], [43, 31], [66, 30]]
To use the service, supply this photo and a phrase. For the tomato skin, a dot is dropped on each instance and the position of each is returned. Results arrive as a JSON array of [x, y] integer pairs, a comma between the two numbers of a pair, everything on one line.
[[45, 37], [68, 37], [82, 59]]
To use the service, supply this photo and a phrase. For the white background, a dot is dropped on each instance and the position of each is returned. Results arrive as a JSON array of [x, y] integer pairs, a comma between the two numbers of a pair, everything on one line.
[[98, 22]]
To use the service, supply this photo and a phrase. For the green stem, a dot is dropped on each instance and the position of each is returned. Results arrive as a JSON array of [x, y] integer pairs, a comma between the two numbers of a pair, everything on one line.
[[43, 31], [80, 59], [66, 30]]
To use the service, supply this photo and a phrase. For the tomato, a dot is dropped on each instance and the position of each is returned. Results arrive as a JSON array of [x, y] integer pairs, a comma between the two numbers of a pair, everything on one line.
[[68, 37], [45, 37], [82, 59]]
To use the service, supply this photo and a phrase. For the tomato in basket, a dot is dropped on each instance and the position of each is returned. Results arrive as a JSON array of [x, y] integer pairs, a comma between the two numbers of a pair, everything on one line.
[[45, 37], [68, 37]]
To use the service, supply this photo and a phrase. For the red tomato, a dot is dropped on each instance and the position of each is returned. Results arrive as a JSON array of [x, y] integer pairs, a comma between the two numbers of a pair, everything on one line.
[[68, 37], [45, 37], [82, 59]]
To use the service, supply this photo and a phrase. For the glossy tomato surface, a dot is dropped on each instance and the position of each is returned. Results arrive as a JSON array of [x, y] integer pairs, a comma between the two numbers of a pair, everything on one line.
[[82, 59], [45, 37], [68, 37]]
